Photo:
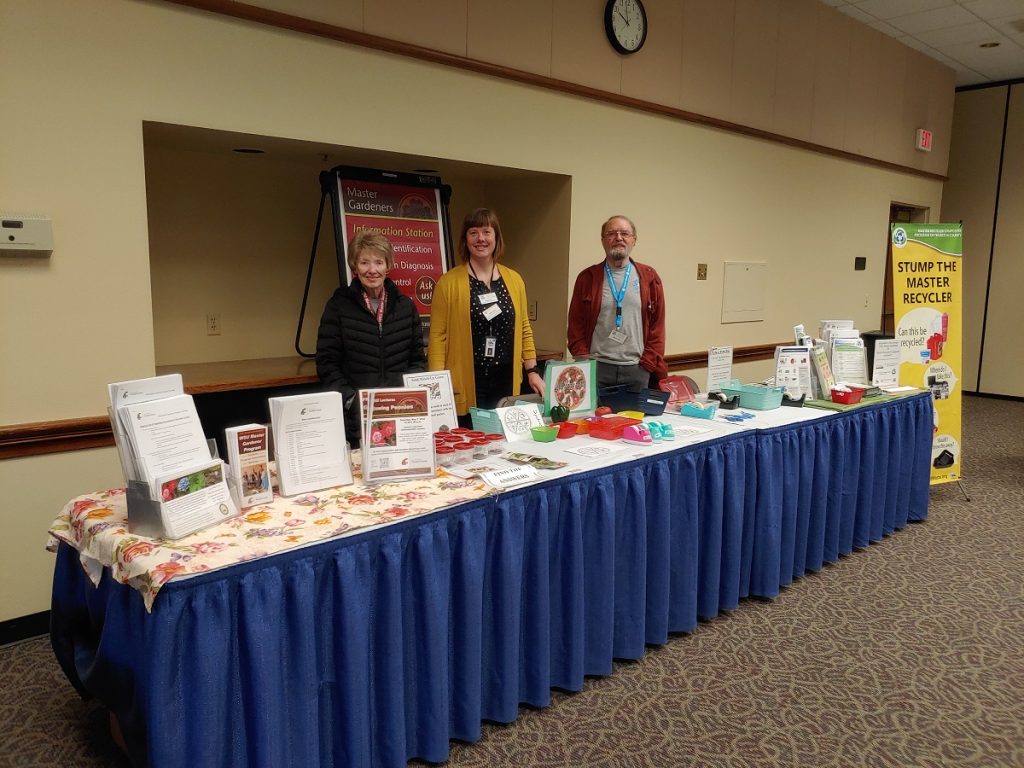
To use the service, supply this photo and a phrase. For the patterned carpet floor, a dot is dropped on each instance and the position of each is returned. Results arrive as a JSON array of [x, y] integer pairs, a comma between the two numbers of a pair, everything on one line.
[[909, 653]]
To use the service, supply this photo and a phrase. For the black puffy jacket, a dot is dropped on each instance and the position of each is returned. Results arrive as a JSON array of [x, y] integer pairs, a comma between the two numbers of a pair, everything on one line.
[[352, 353]]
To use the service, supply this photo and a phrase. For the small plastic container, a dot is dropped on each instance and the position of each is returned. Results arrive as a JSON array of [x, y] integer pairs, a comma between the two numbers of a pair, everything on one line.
[[495, 444], [847, 398], [566, 429], [474, 435], [463, 452], [460, 431], [610, 427], [544, 434], [582, 426], [445, 455], [480, 446]]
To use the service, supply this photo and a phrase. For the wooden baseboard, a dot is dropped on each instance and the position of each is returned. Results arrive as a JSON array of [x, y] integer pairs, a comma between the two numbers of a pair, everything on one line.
[[24, 628]]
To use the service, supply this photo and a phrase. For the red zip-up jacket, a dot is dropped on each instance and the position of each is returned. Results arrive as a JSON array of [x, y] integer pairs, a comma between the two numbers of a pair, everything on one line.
[[586, 304]]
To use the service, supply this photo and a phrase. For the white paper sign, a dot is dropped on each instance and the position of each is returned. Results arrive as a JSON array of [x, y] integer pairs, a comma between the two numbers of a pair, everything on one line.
[[719, 367], [886, 364], [442, 402], [517, 421], [508, 478]]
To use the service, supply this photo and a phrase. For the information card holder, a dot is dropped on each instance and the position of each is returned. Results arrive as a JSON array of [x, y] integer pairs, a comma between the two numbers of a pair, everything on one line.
[[189, 501]]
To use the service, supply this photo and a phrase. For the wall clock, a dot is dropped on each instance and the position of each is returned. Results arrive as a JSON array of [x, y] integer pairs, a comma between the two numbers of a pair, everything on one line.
[[625, 23]]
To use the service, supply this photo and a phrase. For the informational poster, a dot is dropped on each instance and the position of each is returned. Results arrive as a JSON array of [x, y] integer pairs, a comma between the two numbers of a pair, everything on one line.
[[410, 218], [927, 270], [398, 441]]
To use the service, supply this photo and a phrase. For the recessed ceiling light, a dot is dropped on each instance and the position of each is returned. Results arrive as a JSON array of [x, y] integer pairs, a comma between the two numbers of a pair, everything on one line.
[[248, 151], [993, 44]]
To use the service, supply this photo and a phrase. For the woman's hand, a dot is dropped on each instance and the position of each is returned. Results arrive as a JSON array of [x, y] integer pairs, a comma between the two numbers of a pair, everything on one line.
[[536, 382]]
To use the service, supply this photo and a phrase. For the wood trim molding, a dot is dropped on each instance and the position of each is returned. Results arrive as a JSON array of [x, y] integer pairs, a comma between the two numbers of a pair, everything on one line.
[[41, 437], [687, 360], [287, 21]]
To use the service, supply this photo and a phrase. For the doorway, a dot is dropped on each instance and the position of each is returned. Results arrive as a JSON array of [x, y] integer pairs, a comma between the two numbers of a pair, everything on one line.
[[898, 213]]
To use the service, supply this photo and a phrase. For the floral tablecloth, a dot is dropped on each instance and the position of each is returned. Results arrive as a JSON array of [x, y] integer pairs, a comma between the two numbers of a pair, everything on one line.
[[96, 524]]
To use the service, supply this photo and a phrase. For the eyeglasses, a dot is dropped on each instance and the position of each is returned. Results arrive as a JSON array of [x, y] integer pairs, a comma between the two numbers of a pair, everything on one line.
[[611, 234]]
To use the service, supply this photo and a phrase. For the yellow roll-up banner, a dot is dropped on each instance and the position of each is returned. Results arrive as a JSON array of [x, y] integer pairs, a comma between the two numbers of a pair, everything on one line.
[[927, 273]]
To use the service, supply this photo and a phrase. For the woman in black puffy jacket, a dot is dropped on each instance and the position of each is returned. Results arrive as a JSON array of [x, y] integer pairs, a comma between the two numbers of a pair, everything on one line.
[[370, 332]]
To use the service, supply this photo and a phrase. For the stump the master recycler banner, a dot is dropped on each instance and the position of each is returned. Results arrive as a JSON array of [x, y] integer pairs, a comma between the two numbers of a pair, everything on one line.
[[927, 273]]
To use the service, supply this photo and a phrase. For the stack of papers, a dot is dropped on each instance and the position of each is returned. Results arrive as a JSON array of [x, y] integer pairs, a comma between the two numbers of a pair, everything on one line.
[[156, 429], [309, 442]]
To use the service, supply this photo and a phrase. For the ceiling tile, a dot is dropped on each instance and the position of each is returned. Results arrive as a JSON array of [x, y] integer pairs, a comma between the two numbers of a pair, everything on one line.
[[994, 9], [856, 13], [940, 18], [889, 9], [886, 28], [978, 32]]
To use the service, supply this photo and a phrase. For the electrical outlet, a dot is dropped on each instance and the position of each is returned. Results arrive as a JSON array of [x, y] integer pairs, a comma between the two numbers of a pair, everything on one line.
[[532, 310], [213, 323], [702, 271]]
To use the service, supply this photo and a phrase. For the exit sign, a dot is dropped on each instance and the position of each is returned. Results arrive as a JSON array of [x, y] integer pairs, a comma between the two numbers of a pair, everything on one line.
[[924, 140]]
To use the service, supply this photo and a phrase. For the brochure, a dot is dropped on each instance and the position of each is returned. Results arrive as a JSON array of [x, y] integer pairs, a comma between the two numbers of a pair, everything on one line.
[[850, 363], [442, 401], [194, 498], [249, 462], [165, 436], [793, 371], [398, 441], [823, 371], [130, 393], [309, 442]]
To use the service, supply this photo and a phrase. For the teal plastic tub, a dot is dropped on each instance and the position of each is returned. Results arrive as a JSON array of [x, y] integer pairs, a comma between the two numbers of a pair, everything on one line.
[[756, 397]]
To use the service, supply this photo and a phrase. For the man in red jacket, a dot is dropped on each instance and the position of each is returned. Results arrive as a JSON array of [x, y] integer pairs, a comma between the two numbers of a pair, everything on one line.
[[617, 313]]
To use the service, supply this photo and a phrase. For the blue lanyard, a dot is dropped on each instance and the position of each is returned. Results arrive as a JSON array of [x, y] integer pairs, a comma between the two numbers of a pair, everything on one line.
[[619, 294]]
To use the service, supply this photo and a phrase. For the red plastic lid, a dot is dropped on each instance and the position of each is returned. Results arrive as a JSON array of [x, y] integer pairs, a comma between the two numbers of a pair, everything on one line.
[[463, 446], [494, 437], [444, 449]]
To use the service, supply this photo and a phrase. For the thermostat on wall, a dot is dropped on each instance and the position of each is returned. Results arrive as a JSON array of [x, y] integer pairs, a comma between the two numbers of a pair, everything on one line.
[[26, 234]]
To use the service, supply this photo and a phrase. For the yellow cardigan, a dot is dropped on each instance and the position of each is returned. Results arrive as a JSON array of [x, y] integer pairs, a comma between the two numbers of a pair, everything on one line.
[[451, 338]]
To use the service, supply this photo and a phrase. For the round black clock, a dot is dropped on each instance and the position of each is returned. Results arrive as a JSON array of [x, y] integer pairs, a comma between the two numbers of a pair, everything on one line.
[[625, 23]]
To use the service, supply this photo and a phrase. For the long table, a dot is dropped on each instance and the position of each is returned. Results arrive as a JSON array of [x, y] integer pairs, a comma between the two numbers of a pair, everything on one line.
[[375, 648]]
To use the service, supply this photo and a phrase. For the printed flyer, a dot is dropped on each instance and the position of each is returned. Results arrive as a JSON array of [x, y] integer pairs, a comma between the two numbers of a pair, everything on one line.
[[398, 439], [927, 273]]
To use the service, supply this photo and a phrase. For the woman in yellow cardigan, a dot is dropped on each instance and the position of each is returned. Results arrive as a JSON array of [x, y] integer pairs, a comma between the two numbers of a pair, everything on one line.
[[479, 329]]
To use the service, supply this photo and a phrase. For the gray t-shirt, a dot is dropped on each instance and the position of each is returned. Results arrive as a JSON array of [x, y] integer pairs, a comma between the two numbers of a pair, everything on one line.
[[602, 346]]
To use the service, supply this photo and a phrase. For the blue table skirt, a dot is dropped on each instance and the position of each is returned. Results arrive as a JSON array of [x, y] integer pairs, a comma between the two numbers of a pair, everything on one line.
[[376, 648]]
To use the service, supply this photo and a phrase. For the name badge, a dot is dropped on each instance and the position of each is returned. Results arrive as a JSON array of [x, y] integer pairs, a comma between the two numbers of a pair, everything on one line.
[[490, 343], [618, 335], [491, 312], [488, 298]]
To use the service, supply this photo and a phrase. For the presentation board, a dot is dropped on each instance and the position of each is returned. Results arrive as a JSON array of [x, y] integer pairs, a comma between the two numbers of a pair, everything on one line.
[[409, 209]]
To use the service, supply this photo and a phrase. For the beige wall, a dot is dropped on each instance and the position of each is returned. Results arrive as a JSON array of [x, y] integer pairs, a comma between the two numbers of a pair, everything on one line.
[[991, 206], [698, 195], [794, 67]]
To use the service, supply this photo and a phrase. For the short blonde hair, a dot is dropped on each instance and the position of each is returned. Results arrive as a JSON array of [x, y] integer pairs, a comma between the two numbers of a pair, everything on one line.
[[370, 241]]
